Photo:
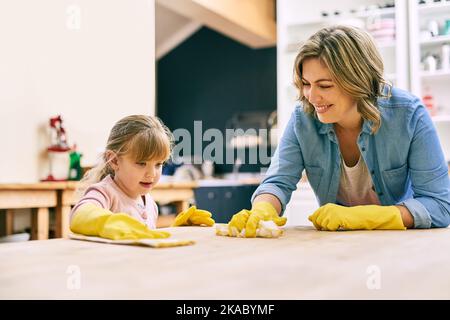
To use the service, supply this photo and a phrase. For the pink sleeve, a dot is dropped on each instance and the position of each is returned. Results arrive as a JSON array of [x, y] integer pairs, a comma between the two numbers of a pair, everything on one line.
[[96, 196]]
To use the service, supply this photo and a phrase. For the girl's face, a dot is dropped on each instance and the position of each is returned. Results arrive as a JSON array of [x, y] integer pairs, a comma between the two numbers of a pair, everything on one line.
[[136, 178], [330, 102]]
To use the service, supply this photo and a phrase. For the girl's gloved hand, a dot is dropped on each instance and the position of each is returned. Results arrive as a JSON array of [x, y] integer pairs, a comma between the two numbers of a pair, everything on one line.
[[193, 217], [91, 220]]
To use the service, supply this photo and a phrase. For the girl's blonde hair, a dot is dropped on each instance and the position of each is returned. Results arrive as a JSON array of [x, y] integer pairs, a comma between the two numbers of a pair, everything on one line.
[[142, 137], [355, 66]]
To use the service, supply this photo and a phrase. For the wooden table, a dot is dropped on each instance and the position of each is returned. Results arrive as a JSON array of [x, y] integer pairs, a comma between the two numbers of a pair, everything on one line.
[[61, 196], [39, 197], [303, 264]]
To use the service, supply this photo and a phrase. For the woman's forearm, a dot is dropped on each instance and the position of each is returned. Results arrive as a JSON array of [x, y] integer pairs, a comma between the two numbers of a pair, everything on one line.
[[271, 199], [408, 219]]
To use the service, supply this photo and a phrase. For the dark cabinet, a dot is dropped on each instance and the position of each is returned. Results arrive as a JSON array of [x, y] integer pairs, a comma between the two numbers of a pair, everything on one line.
[[224, 201]]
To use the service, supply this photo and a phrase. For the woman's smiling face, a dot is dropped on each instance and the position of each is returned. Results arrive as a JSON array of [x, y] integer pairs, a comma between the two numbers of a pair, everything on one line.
[[330, 102]]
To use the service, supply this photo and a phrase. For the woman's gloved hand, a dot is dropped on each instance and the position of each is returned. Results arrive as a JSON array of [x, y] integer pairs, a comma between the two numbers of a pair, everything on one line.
[[193, 217], [332, 217], [91, 220], [249, 219]]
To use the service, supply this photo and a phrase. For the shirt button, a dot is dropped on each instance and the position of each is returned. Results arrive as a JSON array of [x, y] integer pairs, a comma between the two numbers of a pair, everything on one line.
[[363, 149], [372, 172]]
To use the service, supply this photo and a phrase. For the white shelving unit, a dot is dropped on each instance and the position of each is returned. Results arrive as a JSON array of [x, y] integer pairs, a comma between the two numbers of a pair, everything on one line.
[[433, 8], [435, 40], [435, 75], [438, 81]]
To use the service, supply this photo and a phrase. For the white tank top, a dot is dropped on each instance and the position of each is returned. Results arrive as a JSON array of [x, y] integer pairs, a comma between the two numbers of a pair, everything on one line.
[[356, 186]]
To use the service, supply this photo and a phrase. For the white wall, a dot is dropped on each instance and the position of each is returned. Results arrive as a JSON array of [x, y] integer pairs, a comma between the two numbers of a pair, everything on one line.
[[92, 61]]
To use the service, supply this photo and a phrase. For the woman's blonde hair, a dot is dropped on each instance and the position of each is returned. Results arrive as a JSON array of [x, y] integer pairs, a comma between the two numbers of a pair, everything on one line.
[[142, 137], [355, 66]]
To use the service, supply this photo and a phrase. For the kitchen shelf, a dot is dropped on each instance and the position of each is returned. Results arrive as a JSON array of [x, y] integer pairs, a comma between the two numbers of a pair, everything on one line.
[[376, 12], [318, 23], [382, 45], [438, 74], [335, 19], [434, 7], [419, 15], [435, 40]]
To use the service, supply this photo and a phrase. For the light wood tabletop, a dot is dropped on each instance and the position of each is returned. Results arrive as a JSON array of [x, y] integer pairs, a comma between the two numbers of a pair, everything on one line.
[[302, 264]]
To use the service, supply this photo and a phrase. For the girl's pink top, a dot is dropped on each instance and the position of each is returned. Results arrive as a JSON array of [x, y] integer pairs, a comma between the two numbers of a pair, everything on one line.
[[106, 194]]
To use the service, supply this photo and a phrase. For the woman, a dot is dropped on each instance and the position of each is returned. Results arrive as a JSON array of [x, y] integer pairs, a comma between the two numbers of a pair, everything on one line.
[[370, 151]]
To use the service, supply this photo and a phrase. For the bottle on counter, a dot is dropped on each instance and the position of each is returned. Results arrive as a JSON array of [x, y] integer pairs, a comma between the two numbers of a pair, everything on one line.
[[75, 170], [208, 169], [430, 63], [447, 27], [433, 27]]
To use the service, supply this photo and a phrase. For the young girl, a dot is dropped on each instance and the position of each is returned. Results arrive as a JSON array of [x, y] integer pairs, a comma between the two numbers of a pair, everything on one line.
[[115, 202]]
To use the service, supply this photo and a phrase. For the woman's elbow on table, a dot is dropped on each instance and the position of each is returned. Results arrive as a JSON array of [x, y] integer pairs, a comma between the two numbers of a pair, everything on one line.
[[444, 222]]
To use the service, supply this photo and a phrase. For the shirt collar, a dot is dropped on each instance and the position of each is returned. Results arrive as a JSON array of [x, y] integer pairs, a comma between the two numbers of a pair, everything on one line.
[[325, 128]]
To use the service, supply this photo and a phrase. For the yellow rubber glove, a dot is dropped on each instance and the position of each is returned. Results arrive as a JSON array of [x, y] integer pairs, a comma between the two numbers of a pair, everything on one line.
[[92, 220], [238, 222], [249, 219], [332, 217], [193, 217]]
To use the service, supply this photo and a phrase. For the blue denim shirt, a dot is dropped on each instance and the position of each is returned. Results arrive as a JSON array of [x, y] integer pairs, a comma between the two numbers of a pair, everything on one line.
[[404, 158]]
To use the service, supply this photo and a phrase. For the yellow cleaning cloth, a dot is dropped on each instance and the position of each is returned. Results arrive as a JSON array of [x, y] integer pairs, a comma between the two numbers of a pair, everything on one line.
[[154, 243]]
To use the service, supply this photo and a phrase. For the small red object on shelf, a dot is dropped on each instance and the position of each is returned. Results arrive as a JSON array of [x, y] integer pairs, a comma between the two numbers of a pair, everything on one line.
[[428, 101], [58, 152]]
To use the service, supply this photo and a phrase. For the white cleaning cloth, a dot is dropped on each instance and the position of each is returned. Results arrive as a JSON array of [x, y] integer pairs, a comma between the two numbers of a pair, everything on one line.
[[266, 229]]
